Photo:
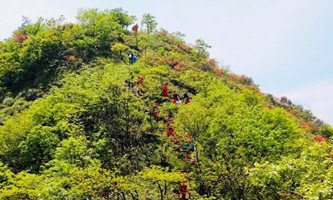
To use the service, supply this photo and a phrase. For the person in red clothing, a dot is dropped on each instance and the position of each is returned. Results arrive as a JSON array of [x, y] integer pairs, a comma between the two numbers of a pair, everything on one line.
[[154, 112], [175, 97], [135, 29], [176, 143], [194, 158], [188, 147], [169, 122], [141, 80], [187, 156], [165, 90], [183, 190], [170, 131], [186, 97]]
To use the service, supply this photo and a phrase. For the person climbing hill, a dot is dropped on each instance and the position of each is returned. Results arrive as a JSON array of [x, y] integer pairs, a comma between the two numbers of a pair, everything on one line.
[[131, 80], [170, 131], [130, 57], [186, 97], [188, 147], [188, 135], [154, 112], [176, 97], [183, 191], [135, 29], [134, 59], [141, 80], [176, 143], [165, 90], [194, 158], [169, 122]]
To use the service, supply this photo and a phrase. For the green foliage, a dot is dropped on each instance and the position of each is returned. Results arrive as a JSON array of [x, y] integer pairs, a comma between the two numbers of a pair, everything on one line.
[[149, 22], [306, 176], [72, 128], [22, 186], [201, 47], [119, 49], [234, 132]]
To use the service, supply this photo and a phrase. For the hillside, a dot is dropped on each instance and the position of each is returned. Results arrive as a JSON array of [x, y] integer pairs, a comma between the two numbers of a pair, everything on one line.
[[74, 127]]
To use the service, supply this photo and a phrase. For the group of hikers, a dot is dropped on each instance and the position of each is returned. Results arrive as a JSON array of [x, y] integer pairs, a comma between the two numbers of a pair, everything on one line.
[[188, 147], [140, 83], [190, 153], [175, 96]]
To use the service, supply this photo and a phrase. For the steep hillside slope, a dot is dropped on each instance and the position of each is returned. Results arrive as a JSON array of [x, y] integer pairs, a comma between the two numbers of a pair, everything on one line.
[[80, 122]]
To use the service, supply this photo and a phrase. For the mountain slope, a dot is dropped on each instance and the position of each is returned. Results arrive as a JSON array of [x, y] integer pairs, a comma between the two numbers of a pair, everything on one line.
[[74, 129]]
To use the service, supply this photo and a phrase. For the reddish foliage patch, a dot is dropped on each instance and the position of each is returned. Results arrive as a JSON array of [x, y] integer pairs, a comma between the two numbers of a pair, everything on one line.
[[233, 78], [71, 58], [320, 138], [176, 68], [219, 71], [20, 37], [292, 111], [212, 61], [165, 59]]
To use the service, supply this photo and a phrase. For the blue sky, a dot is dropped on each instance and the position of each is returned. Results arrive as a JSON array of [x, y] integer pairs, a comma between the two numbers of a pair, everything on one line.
[[284, 45]]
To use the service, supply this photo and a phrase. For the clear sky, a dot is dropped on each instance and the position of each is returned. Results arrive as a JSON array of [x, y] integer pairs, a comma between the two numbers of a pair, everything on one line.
[[286, 46]]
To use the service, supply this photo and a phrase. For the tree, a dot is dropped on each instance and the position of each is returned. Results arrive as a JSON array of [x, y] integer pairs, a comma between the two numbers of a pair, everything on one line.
[[25, 21], [149, 22], [201, 47]]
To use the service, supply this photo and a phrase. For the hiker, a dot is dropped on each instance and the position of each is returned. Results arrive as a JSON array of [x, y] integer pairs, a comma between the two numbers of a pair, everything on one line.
[[176, 97], [186, 97], [165, 90], [183, 190], [194, 158], [135, 29], [140, 90], [170, 132], [130, 57], [134, 58], [154, 111], [188, 148], [188, 135], [169, 122], [131, 80], [146, 110], [176, 143], [183, 171], [141, 80]]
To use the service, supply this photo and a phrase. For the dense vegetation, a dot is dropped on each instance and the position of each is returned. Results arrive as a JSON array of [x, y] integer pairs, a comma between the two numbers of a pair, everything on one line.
[[71, 128]]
